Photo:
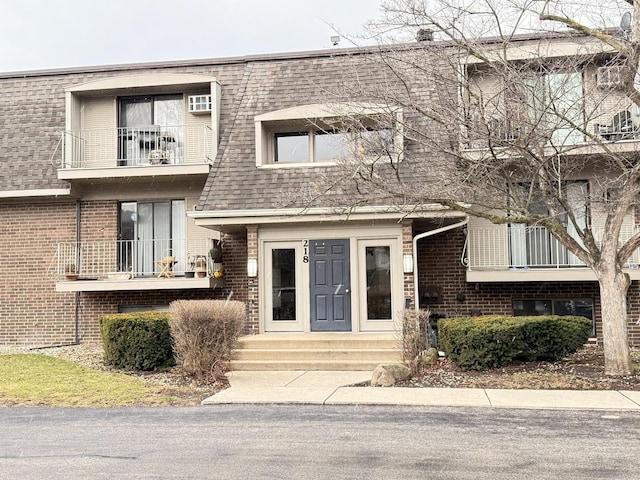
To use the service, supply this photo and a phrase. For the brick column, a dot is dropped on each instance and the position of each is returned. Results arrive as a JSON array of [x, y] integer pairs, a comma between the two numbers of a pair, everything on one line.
[[253, 319], [407, 249]]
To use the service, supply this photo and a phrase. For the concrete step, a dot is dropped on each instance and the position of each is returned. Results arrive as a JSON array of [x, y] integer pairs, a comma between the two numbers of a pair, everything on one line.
[[316, 351], [380, 354], [325, 365], [320, 341]]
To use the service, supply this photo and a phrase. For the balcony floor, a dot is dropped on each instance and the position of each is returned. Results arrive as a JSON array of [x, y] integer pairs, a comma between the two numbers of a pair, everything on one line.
[[576, 274], [176, 283], [169, 171]]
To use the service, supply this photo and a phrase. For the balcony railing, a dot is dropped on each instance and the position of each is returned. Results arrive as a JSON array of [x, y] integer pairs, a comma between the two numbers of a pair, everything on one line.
[[524, 247], [621, 127], [124, 259], [128, 146]]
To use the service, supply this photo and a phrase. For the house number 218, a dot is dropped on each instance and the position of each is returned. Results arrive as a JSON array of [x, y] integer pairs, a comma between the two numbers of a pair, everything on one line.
[[305, 251]]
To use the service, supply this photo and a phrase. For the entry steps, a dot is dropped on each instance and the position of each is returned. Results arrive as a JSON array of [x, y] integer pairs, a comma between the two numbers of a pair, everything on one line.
[[316, 351]]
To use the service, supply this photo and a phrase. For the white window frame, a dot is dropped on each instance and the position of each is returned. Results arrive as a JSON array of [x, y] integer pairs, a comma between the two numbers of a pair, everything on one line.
[[305, 119]]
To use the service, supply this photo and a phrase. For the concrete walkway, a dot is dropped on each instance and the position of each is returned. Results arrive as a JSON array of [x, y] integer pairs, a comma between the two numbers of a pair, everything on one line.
[[332, 388]]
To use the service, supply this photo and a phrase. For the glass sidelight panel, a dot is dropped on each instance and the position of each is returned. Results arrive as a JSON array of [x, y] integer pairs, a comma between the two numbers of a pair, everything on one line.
[[283, 277], [378, 283]]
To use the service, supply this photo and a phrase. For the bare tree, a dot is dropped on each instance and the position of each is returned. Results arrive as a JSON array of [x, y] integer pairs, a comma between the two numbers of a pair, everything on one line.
[[505, 119]]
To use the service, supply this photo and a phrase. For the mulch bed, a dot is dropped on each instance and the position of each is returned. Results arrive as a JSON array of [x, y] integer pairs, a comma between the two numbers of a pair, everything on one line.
[[582, 371]]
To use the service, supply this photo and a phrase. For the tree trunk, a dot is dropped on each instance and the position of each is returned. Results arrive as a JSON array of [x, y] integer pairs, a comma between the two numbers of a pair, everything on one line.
[[613, 303]]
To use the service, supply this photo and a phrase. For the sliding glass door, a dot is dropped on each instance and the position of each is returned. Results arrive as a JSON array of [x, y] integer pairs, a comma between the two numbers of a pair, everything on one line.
[[149, 231], [150, 124]]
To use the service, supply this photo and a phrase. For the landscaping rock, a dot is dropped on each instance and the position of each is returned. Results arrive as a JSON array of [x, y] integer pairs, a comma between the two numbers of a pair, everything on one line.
[[388, 375], [428, 357]]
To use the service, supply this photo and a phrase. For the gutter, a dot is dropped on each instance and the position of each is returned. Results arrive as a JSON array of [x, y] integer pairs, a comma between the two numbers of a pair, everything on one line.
[[415, 254], [76, 326]]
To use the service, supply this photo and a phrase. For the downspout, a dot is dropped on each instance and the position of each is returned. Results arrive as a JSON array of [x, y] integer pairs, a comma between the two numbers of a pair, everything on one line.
[[420, 236], [76, 326]]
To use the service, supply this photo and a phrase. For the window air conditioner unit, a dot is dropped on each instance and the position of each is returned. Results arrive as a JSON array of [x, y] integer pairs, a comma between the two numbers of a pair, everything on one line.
[[199, 103], [607, 77]]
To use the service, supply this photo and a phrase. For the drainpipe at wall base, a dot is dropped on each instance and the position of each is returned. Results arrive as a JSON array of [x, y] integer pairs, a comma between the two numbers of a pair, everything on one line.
[[76, 325], [420, 236]]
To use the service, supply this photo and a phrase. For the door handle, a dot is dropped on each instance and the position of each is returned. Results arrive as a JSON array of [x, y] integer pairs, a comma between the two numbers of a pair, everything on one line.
[[346, 290]]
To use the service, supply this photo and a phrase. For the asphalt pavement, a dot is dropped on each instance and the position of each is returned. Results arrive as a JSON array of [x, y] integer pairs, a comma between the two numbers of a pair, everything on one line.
[[347, 388]]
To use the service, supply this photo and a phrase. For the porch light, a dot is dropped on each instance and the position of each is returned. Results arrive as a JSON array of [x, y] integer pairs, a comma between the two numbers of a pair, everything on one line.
[[407, 263], [252, 267]]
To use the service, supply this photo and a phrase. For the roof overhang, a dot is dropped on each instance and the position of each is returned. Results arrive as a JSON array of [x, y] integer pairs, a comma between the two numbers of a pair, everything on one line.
[[230, 219], [35, 193]]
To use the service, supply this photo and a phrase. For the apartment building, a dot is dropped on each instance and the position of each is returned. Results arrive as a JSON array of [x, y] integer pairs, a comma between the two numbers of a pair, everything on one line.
[[127, 187]]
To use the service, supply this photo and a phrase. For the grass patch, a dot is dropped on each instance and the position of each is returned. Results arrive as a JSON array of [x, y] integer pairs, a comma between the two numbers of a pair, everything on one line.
[[41, 380]]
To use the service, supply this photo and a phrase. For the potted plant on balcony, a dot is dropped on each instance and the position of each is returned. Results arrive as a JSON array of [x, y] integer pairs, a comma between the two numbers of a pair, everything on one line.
[[201, 266], [70, 271], [215, 253]]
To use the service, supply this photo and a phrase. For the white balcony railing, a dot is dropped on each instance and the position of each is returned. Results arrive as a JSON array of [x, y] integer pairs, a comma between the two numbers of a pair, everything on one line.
[[127, 146], [120, 259], [523, 247]]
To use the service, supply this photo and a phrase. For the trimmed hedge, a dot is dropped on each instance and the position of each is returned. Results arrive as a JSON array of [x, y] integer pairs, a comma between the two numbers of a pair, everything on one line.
[[478, 343], [137, 341]]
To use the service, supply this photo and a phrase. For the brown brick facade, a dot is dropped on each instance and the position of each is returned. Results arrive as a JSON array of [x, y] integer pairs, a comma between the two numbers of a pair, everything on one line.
[[253, 325], [32, 313], [407, 249]]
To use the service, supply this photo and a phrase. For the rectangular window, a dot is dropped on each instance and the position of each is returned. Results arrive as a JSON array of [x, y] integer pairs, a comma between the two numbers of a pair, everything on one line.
[[283, 282], [148, 232], [378, 283], [150, 129], [327, 145], [330, 145], [563, 306], [554, 101], [292, 147]]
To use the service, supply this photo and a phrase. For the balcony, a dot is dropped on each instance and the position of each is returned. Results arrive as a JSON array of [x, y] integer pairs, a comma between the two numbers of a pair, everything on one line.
[[135, 152], [527, 254], [133, 265]]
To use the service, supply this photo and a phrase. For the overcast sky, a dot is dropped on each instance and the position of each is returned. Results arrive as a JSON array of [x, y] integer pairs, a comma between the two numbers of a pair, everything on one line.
[[42, 34]]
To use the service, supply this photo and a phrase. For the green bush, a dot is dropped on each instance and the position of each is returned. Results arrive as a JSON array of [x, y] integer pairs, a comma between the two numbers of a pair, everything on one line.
[[137, 341], [205, 332], [478, 343]]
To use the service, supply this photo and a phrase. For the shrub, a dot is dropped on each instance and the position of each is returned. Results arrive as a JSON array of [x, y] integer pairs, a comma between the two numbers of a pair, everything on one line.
[[414, 337], [479, 343], [137, 341], [205, 332]]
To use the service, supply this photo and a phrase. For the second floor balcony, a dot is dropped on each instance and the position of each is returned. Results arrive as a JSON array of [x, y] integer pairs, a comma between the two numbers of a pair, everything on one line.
[[529, 253], [135, 151]]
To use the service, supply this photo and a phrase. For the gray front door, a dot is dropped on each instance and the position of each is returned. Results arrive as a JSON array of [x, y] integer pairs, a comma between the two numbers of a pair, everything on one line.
[[330, 286]]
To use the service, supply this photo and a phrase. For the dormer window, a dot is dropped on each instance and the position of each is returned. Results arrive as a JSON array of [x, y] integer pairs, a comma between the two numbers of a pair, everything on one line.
[[309, 146], [318, 135]]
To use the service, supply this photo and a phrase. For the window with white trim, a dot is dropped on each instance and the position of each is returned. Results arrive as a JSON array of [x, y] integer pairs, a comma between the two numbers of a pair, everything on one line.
[[316, 134]]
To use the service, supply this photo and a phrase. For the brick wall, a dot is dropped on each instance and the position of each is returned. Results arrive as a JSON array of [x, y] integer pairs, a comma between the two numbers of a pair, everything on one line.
[[253, 322], [407, 249], [32, 313], [444, 290]]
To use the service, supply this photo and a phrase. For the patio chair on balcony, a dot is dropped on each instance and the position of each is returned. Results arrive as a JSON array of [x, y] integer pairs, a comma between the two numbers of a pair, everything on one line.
[[621, 127], [166, 266]]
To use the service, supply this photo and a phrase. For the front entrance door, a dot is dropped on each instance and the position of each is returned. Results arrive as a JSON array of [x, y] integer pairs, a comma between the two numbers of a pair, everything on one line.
[[330, 285]]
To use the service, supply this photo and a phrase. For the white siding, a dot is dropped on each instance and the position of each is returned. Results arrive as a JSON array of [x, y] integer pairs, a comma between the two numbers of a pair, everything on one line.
[[100, 132]]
